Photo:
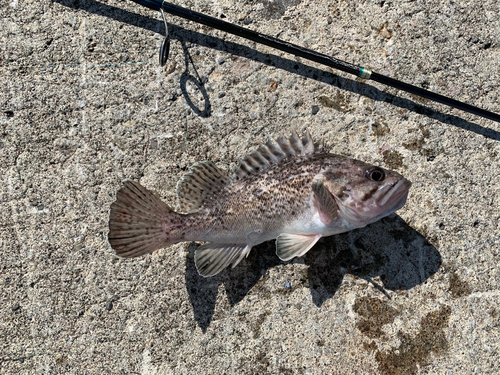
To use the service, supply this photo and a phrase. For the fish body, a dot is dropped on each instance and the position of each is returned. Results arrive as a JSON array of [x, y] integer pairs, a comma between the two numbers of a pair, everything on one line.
[[289, 190]]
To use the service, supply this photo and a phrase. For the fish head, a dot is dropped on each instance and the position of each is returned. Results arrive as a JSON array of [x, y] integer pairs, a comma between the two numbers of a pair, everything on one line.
[[365, 193]]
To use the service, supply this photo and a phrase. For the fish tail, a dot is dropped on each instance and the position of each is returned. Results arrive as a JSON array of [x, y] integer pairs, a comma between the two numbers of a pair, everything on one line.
[[140, 222]]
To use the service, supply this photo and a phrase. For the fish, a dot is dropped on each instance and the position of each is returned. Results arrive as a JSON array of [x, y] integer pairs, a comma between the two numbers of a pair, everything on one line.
[[289, 190]]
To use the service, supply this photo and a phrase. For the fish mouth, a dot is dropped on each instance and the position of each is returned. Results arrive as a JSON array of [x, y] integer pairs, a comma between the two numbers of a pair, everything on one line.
[[385, 201], [393, 197]]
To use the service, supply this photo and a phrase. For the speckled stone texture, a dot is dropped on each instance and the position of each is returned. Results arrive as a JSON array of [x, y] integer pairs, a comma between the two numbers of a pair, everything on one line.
[[84, 104]]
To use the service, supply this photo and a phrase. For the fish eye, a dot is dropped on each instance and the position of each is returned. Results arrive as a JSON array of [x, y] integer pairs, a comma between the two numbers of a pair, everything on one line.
[[375, 174]]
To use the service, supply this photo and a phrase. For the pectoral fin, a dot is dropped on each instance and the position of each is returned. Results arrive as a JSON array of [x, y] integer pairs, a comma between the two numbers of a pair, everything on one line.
[[212, 258], [325, 203], [289, 246]]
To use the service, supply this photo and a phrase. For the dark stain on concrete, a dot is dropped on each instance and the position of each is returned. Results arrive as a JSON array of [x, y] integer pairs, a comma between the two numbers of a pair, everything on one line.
[[495, 316], [257, 325], [393, 160], [339, 102], [277, 8], [429, 153], [375, 313], [325, 101], [415, 144], [416, 351], [261, 362], [287, 371], [61, 360], [380, 129], [383, 29], [426, 133], [458, 287], [370, 346]]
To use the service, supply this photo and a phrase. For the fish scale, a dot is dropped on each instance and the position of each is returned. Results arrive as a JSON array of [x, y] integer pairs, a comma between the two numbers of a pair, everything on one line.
[[290, 190], [282, 190]]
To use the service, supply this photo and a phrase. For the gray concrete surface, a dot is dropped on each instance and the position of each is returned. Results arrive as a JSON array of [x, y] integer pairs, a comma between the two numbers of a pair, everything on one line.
[[84, 105]]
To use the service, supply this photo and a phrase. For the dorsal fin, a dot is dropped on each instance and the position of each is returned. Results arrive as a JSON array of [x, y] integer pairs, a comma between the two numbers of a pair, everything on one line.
[[199, 187], [275, 152]]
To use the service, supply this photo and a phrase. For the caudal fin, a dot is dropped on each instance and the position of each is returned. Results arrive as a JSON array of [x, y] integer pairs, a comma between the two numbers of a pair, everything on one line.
[[140, 222]]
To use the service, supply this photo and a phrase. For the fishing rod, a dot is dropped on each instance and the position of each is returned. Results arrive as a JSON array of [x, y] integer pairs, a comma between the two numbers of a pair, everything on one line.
[[363, 73]]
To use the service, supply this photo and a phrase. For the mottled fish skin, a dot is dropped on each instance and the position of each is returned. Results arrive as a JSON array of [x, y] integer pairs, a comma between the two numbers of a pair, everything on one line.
[[260, 207], [289, 190]]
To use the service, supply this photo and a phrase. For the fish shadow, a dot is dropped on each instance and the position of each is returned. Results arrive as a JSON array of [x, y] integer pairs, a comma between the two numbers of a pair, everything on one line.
[[389, 249]]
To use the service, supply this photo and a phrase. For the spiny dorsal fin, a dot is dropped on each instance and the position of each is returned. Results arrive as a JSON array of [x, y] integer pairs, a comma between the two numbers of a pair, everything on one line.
[[199, 187], [276, 151]]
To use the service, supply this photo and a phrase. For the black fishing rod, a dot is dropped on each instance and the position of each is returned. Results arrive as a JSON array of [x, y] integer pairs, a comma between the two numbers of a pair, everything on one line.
[[293, 49]]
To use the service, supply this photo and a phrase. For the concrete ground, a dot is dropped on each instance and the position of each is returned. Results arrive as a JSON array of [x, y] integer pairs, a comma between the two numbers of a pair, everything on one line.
[[84, 104]]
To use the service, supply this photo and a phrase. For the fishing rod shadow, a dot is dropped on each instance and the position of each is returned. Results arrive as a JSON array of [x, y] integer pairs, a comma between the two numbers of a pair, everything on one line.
[[360, 88], [186, 35], [389, 250]]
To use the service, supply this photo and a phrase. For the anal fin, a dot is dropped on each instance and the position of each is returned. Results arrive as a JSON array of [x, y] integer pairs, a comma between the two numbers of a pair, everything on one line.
[[212, 258], [289, 246]]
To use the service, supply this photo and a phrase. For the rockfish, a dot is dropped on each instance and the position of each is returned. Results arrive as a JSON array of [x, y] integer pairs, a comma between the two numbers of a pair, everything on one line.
[[288, 189]]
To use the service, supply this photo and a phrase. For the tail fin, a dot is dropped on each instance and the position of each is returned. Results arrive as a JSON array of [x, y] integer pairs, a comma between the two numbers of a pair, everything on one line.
[[139, 222]]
